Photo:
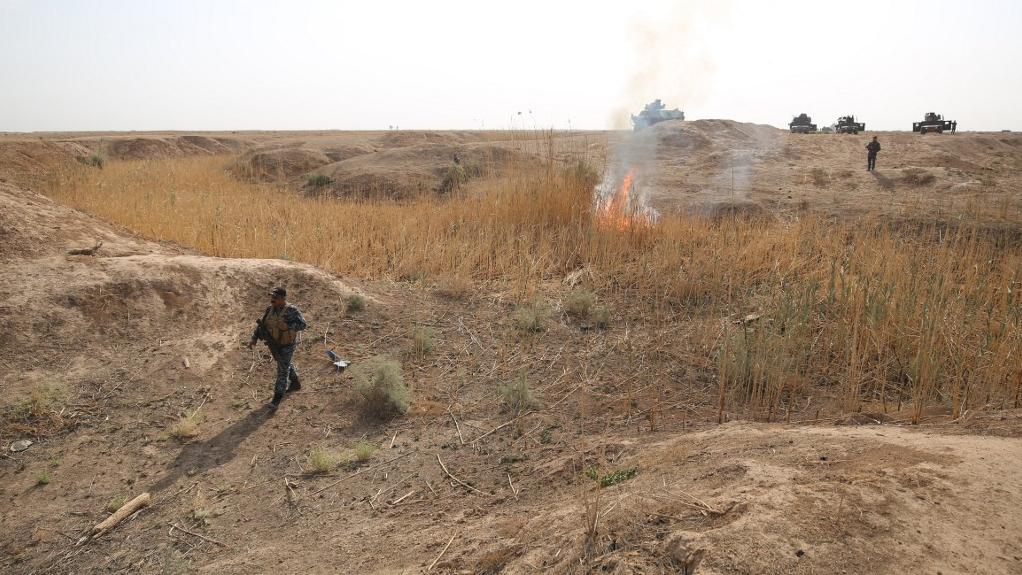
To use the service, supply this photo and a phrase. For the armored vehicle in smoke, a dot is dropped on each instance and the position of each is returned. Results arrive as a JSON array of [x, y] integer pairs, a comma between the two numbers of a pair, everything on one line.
[[848, 125], [932, 122], [655, 112], [802, 124]]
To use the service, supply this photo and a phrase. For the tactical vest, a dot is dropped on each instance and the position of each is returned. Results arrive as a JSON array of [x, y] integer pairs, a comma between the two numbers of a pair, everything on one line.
[[280, 333]]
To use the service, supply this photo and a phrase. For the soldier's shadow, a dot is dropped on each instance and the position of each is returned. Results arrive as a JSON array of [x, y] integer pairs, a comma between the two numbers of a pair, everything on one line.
[[201, 456], [885, 182]]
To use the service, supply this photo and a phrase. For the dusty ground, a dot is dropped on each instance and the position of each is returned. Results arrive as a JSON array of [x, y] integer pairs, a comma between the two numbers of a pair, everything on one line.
[[93, 369]]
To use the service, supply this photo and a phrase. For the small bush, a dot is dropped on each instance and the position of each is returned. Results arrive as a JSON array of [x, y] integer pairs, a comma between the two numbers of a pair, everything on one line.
[[322, 460], [96, 160], [355, 303], [453, 178], [423, 341], [579, 302], [917, 177], [601, 317], [364, 451], [320, 180], [517, 396], [44, 478], [186, 428], [615, 477], [531, 318], [382, 387], [115, 503], [820, 177]]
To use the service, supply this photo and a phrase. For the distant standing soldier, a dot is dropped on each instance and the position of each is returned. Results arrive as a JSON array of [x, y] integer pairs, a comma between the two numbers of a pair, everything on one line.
[[872, 149], [279, 328], [954, 126]]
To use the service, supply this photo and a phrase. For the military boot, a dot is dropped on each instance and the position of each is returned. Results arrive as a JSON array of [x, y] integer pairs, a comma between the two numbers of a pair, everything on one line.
[[295, 384]]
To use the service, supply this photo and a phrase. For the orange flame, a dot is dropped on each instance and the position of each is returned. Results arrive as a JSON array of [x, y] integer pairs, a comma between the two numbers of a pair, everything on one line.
[[616, 212]]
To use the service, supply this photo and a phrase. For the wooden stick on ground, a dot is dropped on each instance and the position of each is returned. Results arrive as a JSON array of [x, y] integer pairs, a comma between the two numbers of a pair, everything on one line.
[[458, 427], [444, 550], [121, 514], [174, 526], [456, 480]]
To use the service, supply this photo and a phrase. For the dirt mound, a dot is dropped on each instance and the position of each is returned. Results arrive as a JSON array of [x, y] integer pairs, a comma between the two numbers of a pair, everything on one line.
[[27, 160], [278, 164], [403, 172]]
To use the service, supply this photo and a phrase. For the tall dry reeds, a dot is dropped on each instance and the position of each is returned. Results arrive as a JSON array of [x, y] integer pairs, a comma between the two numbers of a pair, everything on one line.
[[869, 314]]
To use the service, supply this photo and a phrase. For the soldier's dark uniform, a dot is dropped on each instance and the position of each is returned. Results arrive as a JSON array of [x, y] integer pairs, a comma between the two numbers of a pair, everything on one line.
[[872, 149], [280, 332]]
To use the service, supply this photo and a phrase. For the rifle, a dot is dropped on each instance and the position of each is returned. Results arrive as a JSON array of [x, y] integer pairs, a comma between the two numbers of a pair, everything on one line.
[[261, 332]]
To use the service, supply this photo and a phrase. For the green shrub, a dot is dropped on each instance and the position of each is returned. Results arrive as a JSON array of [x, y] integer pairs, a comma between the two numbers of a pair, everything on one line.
[[381, 386], [531, 317], [322, 460], [453, 177], [364, 451], [355, 303], [320, 180], [517, 396], [97, 160], [615, 477], [43, 479], [579, 302]]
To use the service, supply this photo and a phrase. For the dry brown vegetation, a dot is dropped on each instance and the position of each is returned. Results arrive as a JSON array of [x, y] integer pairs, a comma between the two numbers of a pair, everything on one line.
[[910, 315]]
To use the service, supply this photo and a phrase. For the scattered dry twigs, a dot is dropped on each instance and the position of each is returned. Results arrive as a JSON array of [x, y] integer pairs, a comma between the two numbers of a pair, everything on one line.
[[442, 551], [346, 477], [174, 526], [456, 480]]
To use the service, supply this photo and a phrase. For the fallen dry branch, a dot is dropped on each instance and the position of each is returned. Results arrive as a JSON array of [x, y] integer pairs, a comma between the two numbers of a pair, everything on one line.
[[174, 526], [456, 480], [125, 511], [442, 551]]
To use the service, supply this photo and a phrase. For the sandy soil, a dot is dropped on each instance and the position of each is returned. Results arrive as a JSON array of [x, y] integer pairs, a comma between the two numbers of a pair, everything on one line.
[[104, 339]]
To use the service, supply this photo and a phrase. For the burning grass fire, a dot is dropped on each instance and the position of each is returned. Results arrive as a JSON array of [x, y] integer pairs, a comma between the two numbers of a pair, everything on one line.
[[619, 205]]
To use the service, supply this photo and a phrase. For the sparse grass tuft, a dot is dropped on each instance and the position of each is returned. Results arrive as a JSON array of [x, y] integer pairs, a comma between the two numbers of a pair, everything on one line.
[[320, 180], [423, 340], [517, 396], [364, 451], [116, 503], [530, 317], [322, 460], [354, 303], [820, 177], [381, 385], [44, 478], [187, 427], [601, 317], [579, 303]]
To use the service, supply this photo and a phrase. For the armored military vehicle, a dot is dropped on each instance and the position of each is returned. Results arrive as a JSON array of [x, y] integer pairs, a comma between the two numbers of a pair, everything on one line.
[[655, 112], [802, 124], [848, 125], [932, 122]]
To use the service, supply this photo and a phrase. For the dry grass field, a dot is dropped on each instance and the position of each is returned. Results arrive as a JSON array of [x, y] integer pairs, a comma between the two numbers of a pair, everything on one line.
[[809, 370]]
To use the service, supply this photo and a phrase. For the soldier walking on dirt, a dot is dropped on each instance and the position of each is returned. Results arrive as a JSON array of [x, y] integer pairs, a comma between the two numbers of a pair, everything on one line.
[[279, 328], [954, 126], [872, 149]]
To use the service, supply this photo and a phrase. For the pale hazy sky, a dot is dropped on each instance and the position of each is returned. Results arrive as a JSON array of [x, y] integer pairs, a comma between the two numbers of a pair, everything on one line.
[[318, 64]]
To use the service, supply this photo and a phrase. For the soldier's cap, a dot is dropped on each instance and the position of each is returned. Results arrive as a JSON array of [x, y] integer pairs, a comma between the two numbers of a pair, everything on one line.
[[279, 291]]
